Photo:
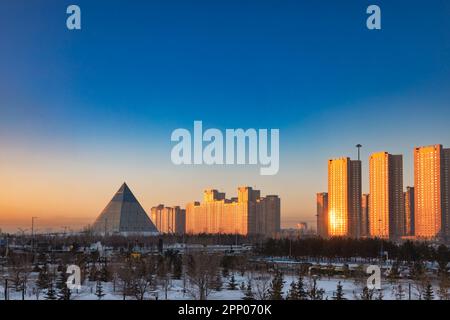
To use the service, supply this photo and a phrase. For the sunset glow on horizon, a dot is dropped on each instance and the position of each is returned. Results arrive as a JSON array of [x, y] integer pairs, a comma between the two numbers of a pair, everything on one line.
[[81, 113]]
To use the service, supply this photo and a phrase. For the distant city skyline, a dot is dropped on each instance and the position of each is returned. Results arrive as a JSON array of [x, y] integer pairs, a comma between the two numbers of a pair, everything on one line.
[[82, 112], [389, 211], [82, 222]]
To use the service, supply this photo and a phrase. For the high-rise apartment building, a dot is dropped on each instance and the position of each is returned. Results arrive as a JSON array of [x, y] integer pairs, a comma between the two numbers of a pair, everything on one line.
[[431, 191], [249, 213], [445, 196], [386, 204], [322, 214], [169, 219], [355, 203], [344, 197], [409, 211], [267, 216], [365, 215]]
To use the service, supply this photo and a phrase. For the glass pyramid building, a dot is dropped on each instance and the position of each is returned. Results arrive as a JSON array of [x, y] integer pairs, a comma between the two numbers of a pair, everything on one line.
[[124, 215]]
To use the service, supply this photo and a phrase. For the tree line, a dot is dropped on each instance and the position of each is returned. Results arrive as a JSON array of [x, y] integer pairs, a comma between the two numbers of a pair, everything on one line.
[[408, 251]]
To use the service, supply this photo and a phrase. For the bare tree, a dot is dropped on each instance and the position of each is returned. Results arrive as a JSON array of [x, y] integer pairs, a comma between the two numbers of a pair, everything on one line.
[[164, 276], [444, 285], [143, 276], [262, 285], [201, 269], [19, 272], [125, 274]]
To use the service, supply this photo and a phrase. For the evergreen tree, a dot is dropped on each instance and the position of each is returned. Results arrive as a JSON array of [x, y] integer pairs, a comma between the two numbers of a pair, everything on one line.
[[61, 284], [276, 287], [429, 294], [99, 290], [60, 280], [293, 292], [339, 293], [301, 292], [314, 292], [242, 286], [51, 292], [232, 285], [380, 295], [248, 295], [43, 278], [65, 293], [367, 294]]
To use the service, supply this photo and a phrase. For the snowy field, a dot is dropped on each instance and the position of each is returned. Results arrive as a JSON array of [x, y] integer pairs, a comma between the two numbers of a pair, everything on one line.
[[351, 289]]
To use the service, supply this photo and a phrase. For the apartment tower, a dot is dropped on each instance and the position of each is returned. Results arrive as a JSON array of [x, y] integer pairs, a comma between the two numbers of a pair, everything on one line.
[[409, 211], [169, 219], [386, 203], [365, 215], [344, 197], [322, 214], [431, 192]]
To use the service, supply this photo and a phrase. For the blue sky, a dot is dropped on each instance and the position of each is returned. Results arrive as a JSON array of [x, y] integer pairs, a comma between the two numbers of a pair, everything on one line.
[[97, 106]]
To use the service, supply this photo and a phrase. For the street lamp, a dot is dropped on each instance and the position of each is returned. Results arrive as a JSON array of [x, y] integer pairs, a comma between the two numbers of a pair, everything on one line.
[[32, 233]]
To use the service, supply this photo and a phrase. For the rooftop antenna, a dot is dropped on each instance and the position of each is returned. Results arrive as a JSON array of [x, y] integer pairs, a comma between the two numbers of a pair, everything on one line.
[[359, 146]]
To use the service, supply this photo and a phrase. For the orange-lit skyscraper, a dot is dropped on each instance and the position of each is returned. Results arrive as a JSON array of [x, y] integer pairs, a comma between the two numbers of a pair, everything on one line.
[[249, 213], [409, 211], [445, 197], [344, 197], [322, 214], [386, 204], [431, 191]]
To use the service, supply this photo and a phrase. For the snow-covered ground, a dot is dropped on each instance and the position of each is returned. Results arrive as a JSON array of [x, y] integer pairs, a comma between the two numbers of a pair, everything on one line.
[[351, 289]]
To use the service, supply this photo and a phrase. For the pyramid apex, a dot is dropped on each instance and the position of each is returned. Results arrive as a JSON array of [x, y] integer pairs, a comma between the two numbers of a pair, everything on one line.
[[124, 187]]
